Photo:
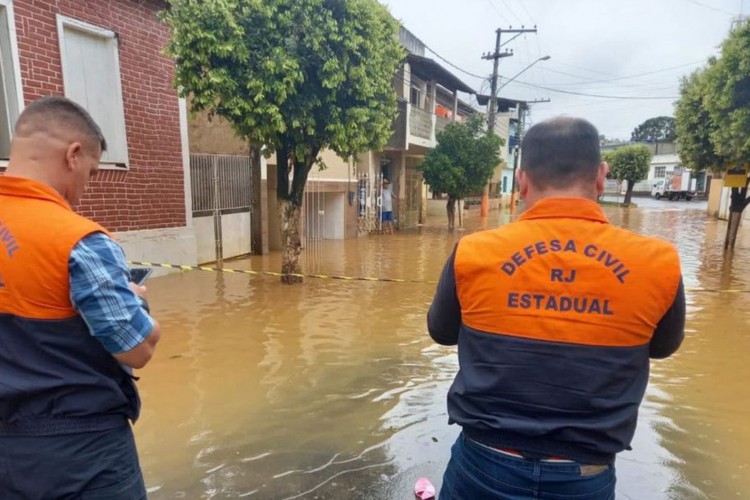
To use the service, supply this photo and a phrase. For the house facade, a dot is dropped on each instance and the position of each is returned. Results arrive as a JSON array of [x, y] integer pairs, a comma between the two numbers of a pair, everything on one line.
[[107, 56], [342, 196], [428, 100]]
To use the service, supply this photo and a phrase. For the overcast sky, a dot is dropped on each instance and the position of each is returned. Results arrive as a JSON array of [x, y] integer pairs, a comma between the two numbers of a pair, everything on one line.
[[633, 48]]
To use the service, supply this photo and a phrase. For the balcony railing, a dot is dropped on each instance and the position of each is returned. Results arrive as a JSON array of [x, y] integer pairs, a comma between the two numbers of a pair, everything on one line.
[[420, 123], [441, 123]]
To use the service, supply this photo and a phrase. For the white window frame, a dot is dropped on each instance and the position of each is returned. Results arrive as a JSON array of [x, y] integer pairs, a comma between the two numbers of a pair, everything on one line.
[[15, 60], [656, 171], [62, 23]]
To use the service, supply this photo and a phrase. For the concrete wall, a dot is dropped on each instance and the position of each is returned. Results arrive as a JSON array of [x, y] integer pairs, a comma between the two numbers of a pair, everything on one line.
[[205, 239], [169, 246], [336, 168], [719, 200], [214, 136], [235, 231]]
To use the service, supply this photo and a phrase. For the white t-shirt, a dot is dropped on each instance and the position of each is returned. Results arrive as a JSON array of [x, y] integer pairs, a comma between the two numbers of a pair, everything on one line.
[[387, 205]]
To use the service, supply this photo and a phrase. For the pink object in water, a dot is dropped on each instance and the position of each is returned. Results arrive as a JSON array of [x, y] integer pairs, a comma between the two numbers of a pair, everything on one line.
[[424, 489]]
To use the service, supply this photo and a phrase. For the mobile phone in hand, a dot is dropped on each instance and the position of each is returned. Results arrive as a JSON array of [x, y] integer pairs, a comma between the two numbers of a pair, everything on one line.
[[140, 275]]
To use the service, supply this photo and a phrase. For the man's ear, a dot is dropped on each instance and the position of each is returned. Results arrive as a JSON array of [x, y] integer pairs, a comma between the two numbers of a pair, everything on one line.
[[601, 177], [523, 182], [73, 154]]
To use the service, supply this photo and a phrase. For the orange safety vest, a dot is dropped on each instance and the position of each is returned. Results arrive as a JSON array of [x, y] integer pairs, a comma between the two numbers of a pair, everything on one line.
[[557, 313], [51, 367]]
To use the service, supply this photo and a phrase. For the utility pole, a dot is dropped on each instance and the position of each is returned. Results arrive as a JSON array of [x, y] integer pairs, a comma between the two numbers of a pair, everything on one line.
[[491, 115], [522, 110]]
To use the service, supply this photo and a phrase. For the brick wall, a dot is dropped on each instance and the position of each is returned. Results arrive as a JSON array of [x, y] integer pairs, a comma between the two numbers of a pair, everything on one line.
[[151, 194]]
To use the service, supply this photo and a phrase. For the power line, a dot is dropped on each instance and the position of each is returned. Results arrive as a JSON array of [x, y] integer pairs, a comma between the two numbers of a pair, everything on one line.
[[595, 95], [696, 2], [619, 78], [511, 11], [446, 61], [527, 11], [497, 10]]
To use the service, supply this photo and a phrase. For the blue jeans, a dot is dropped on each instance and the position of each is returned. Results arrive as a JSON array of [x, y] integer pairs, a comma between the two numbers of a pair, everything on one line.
[[476, 472]]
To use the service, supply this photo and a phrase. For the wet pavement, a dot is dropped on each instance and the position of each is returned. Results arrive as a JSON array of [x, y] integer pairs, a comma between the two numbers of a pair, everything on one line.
[[333, 389]]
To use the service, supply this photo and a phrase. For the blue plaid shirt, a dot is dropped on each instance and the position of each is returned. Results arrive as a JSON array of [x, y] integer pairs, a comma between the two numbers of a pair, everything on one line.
[[100, 292]]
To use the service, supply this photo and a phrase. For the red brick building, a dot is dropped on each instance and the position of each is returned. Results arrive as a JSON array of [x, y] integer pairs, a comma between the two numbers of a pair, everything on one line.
[[107, 56]]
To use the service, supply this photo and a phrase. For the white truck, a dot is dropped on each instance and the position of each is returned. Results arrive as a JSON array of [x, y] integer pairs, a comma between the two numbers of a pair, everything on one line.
[[674, 186]]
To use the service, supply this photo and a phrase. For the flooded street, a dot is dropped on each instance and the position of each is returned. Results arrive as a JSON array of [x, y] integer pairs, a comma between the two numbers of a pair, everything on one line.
[[333, 389]]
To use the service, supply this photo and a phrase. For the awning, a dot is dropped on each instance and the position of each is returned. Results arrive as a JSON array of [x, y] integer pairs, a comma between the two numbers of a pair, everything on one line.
[[428, 69], [502, 103]]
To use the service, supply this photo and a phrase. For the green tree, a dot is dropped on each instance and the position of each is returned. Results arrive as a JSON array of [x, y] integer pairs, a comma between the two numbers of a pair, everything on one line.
[[721, 92], [295, 76], [462, 162], [694, 125], [629, 163], [655, 130]]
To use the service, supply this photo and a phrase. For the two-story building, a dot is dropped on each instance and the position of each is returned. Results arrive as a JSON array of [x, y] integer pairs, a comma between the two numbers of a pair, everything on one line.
[[428, 99]]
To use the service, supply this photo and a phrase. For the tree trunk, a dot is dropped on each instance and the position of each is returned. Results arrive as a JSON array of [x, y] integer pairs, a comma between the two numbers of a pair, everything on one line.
[[290, 208], [289, 213], [450, 208], [736, 207], [628, 193], [460, 213]]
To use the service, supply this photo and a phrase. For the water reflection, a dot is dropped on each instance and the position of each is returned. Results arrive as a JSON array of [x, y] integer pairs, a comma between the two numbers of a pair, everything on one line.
[[333, 390]]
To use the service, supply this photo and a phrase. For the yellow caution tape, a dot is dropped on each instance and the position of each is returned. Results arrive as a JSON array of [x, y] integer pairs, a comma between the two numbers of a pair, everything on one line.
[[347, 278], [278, 275]]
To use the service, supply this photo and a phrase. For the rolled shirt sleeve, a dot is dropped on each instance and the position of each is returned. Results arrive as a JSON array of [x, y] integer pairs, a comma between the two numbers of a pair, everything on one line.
[[101, 293]]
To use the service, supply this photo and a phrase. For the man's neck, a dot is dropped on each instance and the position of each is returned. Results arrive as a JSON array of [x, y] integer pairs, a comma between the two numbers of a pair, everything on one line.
[[533, 198]]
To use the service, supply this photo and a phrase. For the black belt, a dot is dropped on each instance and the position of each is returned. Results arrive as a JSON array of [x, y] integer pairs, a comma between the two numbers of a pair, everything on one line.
[[58, 426]]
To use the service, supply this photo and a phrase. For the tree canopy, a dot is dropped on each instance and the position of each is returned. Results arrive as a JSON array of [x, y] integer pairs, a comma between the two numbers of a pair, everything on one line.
[[464, 158], [656, 130], [713, 112], [629, 163], [713, 118], [293, 76], [694, 125]]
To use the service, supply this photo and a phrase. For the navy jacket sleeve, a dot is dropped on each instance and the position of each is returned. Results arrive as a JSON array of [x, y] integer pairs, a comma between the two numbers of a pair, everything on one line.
[[444, 316], [670, 331]]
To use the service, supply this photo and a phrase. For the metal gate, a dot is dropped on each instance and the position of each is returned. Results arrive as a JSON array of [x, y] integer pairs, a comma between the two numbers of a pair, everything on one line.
[[369, 202], [413, 205], [221, 185]]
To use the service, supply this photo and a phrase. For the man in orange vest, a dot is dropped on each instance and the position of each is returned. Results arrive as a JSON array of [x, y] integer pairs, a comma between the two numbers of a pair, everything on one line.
[[555, 317], [72, 327]]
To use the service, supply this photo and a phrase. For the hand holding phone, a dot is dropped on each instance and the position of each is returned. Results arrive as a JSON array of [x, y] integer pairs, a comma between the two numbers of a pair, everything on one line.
[[140, 275]]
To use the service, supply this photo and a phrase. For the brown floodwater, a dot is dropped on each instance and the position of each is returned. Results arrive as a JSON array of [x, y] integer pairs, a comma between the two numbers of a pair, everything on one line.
[[333, 389]]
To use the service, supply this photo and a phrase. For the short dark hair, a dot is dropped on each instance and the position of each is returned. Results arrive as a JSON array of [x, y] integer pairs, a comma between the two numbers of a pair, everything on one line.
[[561, 152], [59, 112]]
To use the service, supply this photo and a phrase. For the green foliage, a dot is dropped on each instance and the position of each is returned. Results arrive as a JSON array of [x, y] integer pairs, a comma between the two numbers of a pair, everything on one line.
[[728, 97], [629, 163], [694, 125], [713, 113], [657, 130], [464, 158], [296, 76]]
